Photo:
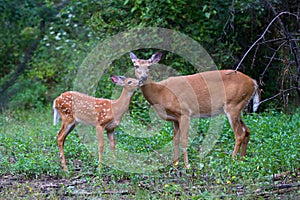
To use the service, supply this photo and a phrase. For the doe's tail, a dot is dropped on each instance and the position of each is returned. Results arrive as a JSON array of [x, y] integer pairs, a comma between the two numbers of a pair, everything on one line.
[[256, 97]]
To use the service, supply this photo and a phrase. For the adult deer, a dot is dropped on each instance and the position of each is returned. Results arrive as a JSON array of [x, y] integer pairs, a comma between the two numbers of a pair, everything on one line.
[[105, 114], [205, 94]]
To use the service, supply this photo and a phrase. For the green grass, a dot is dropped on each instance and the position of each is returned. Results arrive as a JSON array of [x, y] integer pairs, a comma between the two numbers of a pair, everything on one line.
[[29, 154]]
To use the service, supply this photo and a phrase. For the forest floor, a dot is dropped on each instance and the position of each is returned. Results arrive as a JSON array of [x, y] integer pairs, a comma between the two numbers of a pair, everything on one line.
[[15, 187]]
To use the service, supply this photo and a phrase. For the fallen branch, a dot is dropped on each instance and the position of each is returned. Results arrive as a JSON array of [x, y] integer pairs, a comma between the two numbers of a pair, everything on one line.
[[278, 189], [279, 176], [280, 93]]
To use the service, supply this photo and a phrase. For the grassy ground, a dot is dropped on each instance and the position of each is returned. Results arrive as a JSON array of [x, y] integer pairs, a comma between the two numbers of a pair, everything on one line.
[[30, 163]]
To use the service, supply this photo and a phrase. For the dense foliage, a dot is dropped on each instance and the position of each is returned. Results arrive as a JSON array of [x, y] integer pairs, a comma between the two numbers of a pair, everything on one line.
[[44, 42]]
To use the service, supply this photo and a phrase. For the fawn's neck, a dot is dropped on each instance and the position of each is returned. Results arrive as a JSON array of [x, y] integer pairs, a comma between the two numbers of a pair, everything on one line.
[[120, 105]]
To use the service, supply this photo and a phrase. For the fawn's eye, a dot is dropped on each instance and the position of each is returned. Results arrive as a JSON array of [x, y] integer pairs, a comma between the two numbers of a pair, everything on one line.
[[129, 82], [136, 66]]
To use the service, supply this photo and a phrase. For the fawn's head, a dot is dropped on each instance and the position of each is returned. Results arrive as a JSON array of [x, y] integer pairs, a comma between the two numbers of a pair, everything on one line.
[[142, 67], [130, 84]]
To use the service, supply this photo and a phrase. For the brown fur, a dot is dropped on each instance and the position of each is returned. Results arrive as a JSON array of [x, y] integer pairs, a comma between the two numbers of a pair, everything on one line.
[[206, 94]]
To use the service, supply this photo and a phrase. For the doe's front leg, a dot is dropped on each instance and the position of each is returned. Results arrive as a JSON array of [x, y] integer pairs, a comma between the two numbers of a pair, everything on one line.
[[176, 138], [184, 133]]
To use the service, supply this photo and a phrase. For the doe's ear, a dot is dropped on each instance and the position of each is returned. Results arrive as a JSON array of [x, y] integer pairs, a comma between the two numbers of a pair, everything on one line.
[[155, 58], [118, 80], [133, 56]]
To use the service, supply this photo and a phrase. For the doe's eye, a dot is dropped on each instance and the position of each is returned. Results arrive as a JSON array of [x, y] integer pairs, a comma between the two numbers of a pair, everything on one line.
[[129, 82]]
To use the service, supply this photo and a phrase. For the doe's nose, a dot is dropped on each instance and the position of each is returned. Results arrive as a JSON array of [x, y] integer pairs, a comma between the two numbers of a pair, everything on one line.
[[144, 78]]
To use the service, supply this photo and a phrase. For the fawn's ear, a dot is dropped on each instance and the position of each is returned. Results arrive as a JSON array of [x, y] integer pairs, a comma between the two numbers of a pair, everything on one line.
[[118, 80], [133, 57], [155, 58]]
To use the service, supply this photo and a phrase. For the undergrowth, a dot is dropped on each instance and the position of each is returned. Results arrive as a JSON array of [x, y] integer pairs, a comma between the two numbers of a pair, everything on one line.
[[29, 150]]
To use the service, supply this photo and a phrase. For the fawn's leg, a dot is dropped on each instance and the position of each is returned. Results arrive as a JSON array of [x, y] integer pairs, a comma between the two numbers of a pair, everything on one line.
[[100, 136], [110, 136], [66, 128]]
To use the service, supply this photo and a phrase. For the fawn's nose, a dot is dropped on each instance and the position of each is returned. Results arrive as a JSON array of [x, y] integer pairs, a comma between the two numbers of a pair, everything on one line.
[[140, 82]]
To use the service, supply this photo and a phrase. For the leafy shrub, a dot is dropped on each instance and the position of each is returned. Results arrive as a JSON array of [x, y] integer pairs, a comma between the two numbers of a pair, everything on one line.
[[29, 94]]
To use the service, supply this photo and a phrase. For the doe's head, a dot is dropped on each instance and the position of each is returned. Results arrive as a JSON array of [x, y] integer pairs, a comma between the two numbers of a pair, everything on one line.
[[142, 67]]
